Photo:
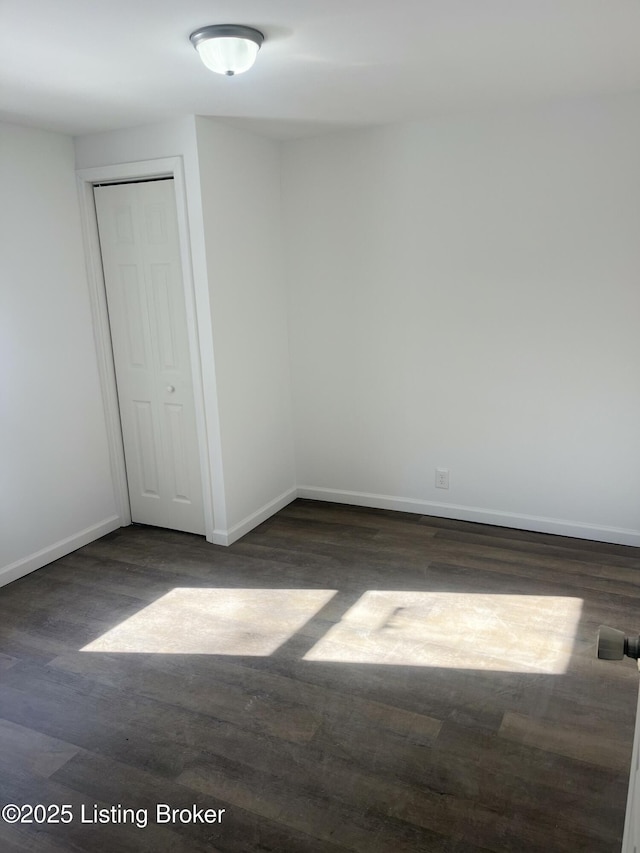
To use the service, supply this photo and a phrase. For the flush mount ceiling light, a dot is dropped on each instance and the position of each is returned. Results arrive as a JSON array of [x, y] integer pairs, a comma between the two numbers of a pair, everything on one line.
[[227, 48]]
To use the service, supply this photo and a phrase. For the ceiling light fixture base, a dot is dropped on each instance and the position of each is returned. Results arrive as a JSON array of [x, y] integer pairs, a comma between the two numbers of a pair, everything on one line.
[[227, 49]]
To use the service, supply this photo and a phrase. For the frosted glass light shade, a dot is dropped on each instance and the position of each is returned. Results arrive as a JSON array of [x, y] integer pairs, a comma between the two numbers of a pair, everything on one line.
[[227, 48]]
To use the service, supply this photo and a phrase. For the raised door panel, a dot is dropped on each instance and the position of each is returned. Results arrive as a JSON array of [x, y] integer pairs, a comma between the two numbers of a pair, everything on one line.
[[177, 445], [133, 302], [165, 317], [144, 454]]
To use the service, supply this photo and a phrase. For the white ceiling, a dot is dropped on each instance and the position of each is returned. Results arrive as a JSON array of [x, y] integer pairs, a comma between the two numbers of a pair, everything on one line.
[[80, 66]]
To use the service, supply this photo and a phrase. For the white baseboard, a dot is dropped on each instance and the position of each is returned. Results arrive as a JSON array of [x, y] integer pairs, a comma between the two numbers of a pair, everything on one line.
[[227, 537], [539, 524], [59, 549]]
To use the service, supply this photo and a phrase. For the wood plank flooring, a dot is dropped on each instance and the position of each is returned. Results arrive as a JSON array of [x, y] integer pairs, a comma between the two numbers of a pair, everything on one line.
[[340, 679]]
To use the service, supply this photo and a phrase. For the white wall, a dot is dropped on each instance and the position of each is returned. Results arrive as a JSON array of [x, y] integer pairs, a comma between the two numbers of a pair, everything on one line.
[[464, 293], [240, 184], [55, 482]]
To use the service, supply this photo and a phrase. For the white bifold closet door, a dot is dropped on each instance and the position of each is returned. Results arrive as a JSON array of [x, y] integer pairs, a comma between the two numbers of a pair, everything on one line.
[[140, 249]]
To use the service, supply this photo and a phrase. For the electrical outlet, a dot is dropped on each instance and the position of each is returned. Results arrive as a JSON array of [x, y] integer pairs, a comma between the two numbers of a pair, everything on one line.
[[442, 478]]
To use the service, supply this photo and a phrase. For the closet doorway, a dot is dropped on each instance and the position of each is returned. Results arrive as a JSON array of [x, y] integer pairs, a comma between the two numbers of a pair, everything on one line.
[[141, 262]]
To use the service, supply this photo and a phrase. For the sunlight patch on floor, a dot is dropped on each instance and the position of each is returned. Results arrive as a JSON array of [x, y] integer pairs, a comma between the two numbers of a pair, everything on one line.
[[196, 621], [508, 633]]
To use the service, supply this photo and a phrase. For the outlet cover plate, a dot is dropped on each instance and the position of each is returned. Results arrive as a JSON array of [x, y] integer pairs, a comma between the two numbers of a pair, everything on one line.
[[442, 478]]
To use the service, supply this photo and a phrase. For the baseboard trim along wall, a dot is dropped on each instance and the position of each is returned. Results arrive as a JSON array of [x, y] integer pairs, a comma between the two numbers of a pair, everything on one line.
[[538, 524], [561, 527], [59, 549], [228, 537]]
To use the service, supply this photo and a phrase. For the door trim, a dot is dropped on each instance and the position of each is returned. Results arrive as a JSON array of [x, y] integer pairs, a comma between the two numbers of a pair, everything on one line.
[[171, 167]]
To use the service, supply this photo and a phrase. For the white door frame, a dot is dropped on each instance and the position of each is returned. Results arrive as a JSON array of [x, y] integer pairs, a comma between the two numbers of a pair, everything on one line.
[[171, 167]]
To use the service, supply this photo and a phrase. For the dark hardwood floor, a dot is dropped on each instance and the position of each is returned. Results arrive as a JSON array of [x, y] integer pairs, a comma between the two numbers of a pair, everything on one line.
[[340, 679]]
